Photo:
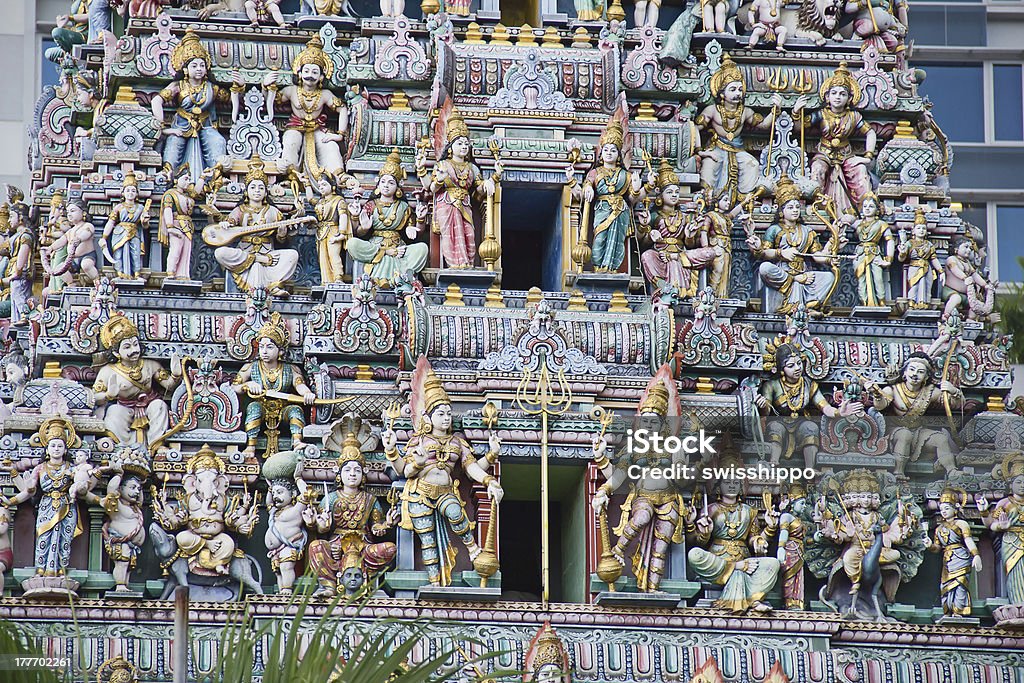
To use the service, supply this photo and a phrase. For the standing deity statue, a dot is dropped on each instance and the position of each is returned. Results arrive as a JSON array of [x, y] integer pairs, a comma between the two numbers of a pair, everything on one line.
[[454, 182], [923, 265], [18, 274], [267, 381], [841, 174], [724, 163], [254, 262], [792, 396], [908, 397], [609, 190], [964, 287], [960, 556], [207, 514], [646, 13], [353, 517], [680, 250], [382, 221], [875, 251], [719, 213], [792, 533], [176, 227], [653, 512], [309, 146], [786, 248], [57, 520], [123, 238], [288, 499], [333, 229], [192, 136], [6, 549], [589, 10], [864, 538], [433, 457], [127, 390], [78, 243], [56, 225], [124, 529], [721, 539], [1006, 520]]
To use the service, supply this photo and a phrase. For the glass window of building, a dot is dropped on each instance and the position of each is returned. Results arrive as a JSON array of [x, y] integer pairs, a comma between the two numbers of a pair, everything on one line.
[[1008, 103], [957, 93], [1010, 242]]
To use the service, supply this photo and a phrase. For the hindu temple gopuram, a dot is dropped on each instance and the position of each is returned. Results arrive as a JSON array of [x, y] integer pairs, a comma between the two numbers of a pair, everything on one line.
[[332, 298]]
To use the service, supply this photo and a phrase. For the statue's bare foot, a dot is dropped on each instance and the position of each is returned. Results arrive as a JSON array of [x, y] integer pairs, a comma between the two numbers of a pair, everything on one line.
[[284, 591], [761, 607]]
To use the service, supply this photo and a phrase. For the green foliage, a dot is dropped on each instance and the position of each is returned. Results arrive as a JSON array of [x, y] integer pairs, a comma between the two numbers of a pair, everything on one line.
[[337, 647], [14, 643], [1011, 308]]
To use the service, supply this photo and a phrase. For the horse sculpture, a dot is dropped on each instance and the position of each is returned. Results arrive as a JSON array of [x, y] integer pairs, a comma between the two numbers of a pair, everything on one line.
[[244, 570]]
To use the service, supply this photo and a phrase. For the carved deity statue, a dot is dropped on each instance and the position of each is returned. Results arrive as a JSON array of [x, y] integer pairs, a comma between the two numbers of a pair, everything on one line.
[[17, 276], [205, 514], [792, 534], [841, 174], [875, 251], [433, 459], [908, 397], [72, 29], [964, 287], [653, 513], [792, 396], [546, 658], [176, 227], [960, 556], [309, 146], [353, 517], [384, 224], [56, 225], [333, 228], [268, 382], [288, 499], [680, 248], [923, 265], [864, 542], [254, 262], [6, 549], [608, 192], [128, 389], [79, 243], [728, 547], [1006, 519], [785, 250], [455, 182], [192, 136], [724, 163], [57, 516], [123, 238], [765, 23], [263, 11], [124, 529]]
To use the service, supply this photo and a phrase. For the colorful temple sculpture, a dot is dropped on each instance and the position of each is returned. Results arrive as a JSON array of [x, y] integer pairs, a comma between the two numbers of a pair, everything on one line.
[[339, 299]]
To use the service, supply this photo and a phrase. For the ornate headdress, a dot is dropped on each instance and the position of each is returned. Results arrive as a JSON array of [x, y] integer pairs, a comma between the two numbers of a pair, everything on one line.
[[204, 459], [656, 400], [666, 175], [456, 127], [274, 330], [776, 351], [434, 393], [314, 53], [1011, 467], [843, 79], [954, 496], [393, 166], [727, 73], [786, 191], [549, 650], [5, 218], [130, 180], [613, 134], [118, 328], [861, 481], [796, 490], [257, 170], [351, 451], [919, 217], [57, 428], [188, 49], [56, 200]]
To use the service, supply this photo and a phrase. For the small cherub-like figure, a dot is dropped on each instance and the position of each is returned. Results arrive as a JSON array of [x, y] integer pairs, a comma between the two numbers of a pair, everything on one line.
[[964, 286], [287, 500], [765, 23], [124, 530], [85, 475], [923, 264], [261, 11], [6, 550], [80, 240], [959, 550]]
